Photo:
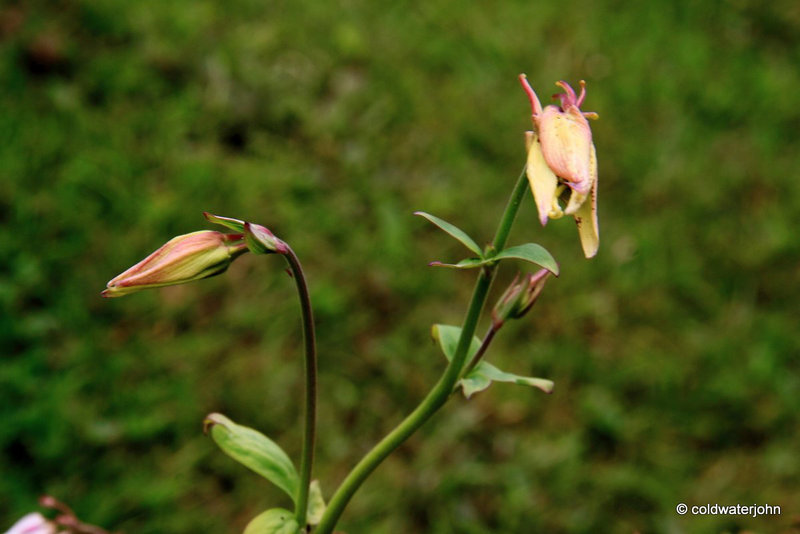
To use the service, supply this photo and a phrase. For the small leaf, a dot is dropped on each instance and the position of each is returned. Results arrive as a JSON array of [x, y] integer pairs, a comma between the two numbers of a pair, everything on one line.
[[454, 231], [255, 451], [530, 252], [474, 382], [447, 336], [468, 263], [234, 224], [274, 521], [316, 504], [485, 373]]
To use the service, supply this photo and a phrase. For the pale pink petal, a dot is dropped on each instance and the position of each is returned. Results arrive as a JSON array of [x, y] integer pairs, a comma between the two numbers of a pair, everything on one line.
[[33, 523], [566, 140]]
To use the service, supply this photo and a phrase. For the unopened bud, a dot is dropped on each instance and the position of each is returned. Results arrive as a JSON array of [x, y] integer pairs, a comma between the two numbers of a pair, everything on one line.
[[258, 238], [182, 259], [519, 297], [261, 241]]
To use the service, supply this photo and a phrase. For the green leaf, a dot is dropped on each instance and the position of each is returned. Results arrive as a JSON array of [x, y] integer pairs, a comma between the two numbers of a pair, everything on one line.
[[274, 521], [454, 231], [255, 451], [529, 252], [316, 504], [469, 263], [484, 373], [532, 253], [447, 336], [234, 224]]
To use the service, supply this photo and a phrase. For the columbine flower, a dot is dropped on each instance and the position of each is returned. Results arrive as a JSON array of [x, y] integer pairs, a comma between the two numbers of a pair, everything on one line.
[[182, 259], [561, 155], [33, 523], [519, 297]]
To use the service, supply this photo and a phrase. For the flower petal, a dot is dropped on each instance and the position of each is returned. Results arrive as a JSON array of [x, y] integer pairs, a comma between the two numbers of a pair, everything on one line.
[[566, 141], [586, 215], [33, 523], [576, 200], [542, 180]]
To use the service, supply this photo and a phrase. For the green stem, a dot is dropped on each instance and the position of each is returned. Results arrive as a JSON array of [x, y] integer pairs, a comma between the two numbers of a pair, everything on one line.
[[443, 388], [487, 340], [310, 365]]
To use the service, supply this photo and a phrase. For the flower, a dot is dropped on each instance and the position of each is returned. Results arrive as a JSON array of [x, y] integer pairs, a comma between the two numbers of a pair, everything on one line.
[[33, 523], [182, 259], [561, 156], [519, 297]]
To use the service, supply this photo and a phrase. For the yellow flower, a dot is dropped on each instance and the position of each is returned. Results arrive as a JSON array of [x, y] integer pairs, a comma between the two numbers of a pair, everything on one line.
[[561, 156]]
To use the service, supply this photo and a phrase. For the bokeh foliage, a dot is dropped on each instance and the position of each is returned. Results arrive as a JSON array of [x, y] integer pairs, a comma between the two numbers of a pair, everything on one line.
[[674, 352]]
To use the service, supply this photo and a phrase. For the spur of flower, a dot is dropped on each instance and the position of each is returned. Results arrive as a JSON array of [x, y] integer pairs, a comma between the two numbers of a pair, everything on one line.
[[562, 162]]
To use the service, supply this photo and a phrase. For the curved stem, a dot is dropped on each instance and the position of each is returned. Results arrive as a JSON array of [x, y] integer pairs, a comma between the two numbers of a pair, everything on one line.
[[310, 364], [443, 388], [487, 340]]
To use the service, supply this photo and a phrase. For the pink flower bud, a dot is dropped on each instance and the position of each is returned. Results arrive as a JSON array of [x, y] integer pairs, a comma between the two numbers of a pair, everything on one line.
[[519, 297], [33, 523], [561, 155], [182, 259]]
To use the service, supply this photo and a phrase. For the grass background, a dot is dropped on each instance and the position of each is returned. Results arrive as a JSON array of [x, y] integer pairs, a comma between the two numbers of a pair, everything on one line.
[[674, 352]]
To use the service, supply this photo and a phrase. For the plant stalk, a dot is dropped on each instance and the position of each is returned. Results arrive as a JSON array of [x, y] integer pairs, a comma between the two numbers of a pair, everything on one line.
[[438, 396], [310, 368], [487, 340]]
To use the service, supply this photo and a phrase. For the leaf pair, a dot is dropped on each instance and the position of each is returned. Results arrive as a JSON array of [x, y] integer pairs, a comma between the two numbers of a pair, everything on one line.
[[260, 454], [482, 376], [529, 252]]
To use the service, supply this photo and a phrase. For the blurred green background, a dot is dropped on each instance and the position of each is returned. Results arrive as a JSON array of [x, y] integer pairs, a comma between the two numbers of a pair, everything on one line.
[[674, 352]]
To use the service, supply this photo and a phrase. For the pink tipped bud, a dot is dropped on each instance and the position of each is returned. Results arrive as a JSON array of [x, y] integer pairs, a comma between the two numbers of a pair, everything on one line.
[[182, 259], [33, 523], [261, 241], [519, 298]]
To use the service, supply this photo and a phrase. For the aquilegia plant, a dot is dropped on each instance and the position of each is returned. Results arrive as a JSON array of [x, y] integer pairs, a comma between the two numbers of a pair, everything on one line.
[[561, 170]]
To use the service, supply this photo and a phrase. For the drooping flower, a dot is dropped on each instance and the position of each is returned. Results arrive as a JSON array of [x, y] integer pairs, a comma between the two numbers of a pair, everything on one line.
[[561, 156], [33, 523], [182, 259]]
